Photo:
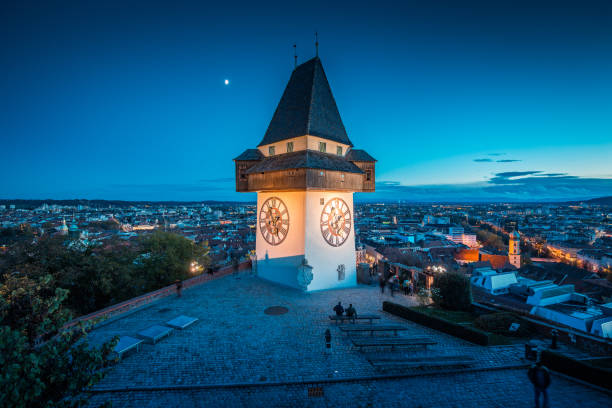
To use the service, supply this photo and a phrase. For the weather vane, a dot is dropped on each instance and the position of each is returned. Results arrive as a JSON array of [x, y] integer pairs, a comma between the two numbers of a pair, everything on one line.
[[294, 55], [317, 43]]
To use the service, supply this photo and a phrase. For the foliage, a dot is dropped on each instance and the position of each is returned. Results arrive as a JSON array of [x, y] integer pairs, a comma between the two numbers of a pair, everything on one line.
[[416, 315], [455, 316], [454, 291], [579, 369], [22, 233], [499, 323], [423, 297], [169, 259], [107, 225], [488, 238], [407, 258], [97, 277], [41, 363]]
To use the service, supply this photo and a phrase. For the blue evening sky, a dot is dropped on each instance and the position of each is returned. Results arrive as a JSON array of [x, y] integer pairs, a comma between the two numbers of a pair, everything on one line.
[[466, 101]]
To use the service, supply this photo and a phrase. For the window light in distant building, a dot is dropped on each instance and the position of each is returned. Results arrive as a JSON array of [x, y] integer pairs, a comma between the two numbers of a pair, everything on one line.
[[339, 150], [322, 147], [289, 147], [271, 150]]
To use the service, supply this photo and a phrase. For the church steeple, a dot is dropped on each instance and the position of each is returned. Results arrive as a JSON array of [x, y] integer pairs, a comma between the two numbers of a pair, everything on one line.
[[307, 107]]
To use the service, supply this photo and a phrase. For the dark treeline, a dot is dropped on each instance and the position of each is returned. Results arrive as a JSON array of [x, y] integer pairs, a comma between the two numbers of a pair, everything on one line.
[[102, 275]]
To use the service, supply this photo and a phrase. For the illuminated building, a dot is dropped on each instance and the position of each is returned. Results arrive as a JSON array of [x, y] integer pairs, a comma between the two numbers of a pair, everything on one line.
[[305, 171], [514, 249]]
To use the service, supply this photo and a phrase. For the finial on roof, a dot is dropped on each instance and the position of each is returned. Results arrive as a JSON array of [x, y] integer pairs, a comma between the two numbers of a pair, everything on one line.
[[294, 56], [317, 43]]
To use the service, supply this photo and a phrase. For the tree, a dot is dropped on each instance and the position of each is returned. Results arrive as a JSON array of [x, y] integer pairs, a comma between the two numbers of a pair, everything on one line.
[[42, 363], [454, 291], [169, 258], [407, 258]]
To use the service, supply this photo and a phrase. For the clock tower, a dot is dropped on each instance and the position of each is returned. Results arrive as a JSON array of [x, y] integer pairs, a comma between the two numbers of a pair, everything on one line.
[[305, 172]]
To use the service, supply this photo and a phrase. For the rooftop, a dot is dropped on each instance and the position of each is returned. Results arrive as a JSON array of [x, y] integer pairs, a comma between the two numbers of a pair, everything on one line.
[[305, 159], [307, 107]]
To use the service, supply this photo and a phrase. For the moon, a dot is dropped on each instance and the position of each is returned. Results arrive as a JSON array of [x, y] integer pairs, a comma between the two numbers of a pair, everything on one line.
[[226, 82]]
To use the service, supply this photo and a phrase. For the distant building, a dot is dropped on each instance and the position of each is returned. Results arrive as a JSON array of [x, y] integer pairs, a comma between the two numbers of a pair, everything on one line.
[[431, 220], [514, 249], [458, 236], [63, 229], [493, 282]]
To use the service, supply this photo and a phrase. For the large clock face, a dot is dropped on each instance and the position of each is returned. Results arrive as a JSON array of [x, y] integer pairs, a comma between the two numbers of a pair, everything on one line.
[[336, 222], [274, 220]]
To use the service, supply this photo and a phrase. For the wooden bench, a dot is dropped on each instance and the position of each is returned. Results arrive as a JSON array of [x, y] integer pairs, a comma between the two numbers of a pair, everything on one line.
[[373, 328], [181, 322], [154, 333], [361, 342], [342, 318], [125, 344], [421, 362]]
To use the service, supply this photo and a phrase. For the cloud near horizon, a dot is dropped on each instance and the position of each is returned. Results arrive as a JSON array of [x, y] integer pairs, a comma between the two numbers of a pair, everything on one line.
[[531, 185], [497, 161]]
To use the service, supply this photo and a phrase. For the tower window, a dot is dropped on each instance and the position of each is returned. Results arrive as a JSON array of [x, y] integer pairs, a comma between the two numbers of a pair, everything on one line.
[[339, 150], [322, 147], [289, 147], [368, 175], [271, 150]]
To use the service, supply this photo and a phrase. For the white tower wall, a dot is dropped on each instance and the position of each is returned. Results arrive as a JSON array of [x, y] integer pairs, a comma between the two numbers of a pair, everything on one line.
[[281, 263]]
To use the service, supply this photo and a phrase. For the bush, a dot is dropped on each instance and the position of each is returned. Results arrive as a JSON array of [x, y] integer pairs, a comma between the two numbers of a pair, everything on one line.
[[454, 291], [499, 323], [578, 369], [457, 330]]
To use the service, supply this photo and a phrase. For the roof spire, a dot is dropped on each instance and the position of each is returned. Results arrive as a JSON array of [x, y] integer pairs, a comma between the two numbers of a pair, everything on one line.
[[317, 43], [294, 56]]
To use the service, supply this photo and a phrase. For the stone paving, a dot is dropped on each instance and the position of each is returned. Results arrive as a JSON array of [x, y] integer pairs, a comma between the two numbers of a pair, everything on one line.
[[236, 343], [506, 388]]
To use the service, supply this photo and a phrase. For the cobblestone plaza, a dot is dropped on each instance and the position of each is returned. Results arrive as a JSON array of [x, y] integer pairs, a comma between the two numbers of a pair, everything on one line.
[[236, 355]]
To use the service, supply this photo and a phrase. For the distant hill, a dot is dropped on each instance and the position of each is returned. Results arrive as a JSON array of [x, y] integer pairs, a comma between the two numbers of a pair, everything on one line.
[[595, 201]]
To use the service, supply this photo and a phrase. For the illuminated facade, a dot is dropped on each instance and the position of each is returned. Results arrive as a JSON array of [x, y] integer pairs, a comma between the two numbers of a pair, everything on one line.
[[305, 172], [514, 249]]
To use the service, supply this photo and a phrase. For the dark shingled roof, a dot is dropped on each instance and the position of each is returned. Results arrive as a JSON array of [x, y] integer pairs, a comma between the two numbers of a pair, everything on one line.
[[359, 155], [250, 154], [305, 159], [307, 107]]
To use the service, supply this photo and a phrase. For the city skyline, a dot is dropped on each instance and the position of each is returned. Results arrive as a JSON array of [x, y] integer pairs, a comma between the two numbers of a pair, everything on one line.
[[504, 102]]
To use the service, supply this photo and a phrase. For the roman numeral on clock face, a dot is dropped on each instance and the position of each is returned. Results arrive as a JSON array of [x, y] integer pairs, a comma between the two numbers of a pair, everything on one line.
[[335, 222], [274, 221]]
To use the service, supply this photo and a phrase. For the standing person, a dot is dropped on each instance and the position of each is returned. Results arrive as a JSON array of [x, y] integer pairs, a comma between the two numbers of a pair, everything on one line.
[[406, 287], [540, 378], [382, 284], [411, 288], [179, 287], [391, 285], [339, 309]]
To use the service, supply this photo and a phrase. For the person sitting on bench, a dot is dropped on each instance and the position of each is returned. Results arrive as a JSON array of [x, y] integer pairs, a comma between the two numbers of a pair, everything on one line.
[[339, 309], [351, 312]]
